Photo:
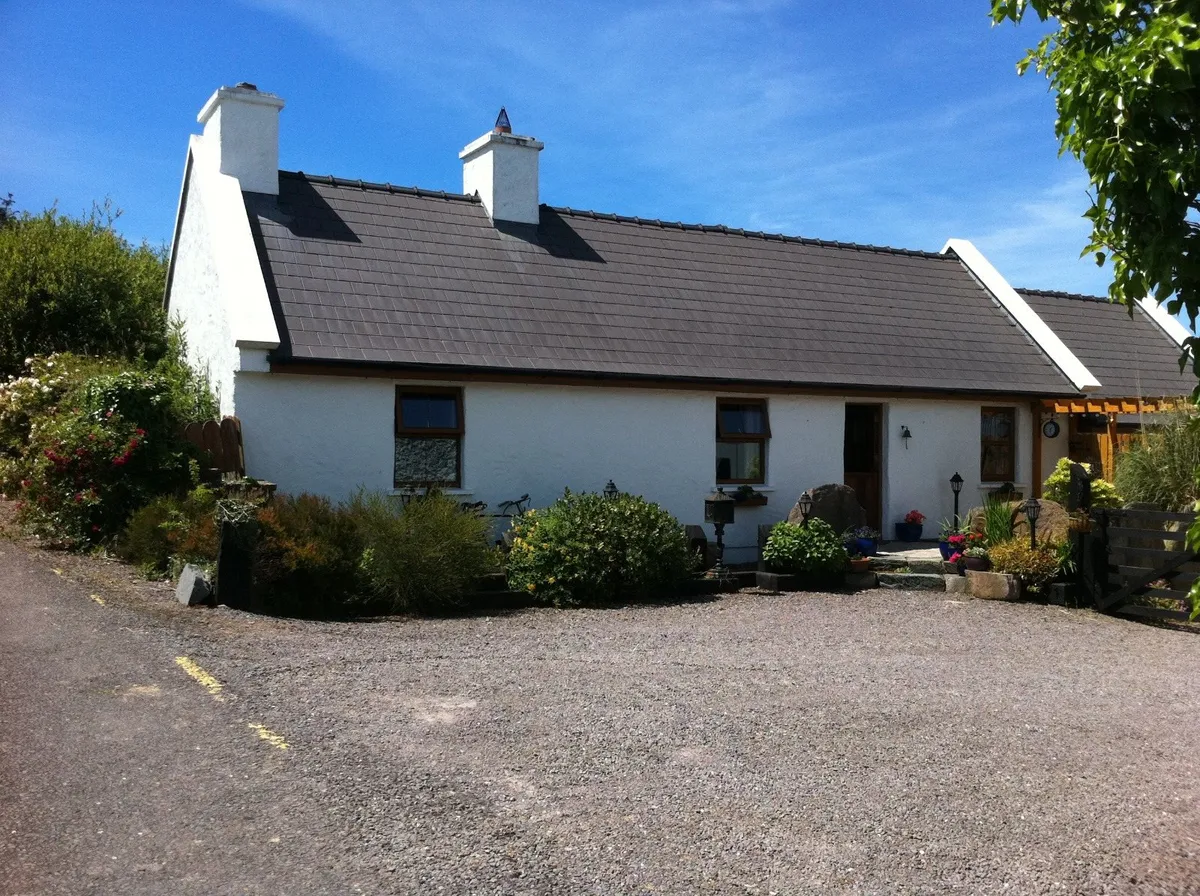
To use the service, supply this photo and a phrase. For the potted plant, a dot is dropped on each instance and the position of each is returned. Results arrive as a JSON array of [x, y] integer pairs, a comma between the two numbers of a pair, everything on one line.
[[865, 541], [975, 552], [746, 496], [910, 529], [859, 563], [948, 530]]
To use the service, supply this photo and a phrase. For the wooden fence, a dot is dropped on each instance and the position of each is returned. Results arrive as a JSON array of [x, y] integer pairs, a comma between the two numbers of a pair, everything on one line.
[[1142, 564], [221, 444]]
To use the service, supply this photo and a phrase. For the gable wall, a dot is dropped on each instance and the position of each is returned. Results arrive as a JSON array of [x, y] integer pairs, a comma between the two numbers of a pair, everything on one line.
[[196, 301], [331, 434]]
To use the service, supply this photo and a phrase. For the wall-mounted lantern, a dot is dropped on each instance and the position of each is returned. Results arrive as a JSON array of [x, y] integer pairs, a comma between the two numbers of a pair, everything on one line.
[[905, 435], [610, 490]]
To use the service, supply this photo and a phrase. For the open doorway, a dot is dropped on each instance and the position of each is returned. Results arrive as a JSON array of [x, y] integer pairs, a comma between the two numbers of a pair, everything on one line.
[[863, 458]]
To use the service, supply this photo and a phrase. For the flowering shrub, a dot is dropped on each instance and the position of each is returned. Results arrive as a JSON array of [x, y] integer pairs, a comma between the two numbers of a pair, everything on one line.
[[866, 532], [966, 544], [914, 518], [86, 443], [589, 549], [169, 532]]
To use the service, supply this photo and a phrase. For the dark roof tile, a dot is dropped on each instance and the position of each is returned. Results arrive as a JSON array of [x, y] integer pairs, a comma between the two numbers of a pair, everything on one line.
[[436, 283]]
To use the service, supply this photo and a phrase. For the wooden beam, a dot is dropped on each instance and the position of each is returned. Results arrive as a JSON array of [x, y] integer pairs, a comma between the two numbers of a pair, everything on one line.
[[1036, 413]]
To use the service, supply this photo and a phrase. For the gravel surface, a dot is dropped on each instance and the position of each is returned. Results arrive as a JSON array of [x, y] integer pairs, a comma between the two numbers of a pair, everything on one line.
[[876, 743]]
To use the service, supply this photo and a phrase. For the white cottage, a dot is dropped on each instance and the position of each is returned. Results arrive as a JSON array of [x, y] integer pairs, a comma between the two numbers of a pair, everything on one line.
[[381, 336]]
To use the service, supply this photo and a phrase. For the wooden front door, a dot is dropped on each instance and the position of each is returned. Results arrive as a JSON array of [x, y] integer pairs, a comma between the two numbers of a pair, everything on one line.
[[863, 458]]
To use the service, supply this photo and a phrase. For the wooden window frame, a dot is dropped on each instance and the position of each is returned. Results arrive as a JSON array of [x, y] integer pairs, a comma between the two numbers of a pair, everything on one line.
[[761, 438], [1010, 443], [425, 432]]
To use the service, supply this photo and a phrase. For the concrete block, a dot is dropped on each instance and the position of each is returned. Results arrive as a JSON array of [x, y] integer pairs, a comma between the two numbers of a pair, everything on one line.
[[992, 585], [861, 580], [912, 581], [956, 584]]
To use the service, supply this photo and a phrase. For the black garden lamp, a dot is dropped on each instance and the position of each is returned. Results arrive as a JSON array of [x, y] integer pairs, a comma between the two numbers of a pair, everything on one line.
[[1033, 510], [805, 503], [718, 510], [610, 490], [956, 482]]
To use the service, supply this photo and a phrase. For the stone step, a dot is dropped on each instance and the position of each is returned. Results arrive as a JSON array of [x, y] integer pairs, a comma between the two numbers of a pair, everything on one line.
[[910, 564], [912, 581]]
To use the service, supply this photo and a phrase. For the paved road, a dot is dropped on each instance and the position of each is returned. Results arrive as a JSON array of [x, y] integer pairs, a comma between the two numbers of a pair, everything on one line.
[[120, 773], [879, 743]]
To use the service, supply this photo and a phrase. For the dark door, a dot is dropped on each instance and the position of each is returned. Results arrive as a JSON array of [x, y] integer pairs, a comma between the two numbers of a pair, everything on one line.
[[863, 454]]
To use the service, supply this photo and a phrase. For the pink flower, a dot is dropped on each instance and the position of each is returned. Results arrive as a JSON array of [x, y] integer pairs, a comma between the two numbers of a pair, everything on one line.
[[120, 461], [955, 557]]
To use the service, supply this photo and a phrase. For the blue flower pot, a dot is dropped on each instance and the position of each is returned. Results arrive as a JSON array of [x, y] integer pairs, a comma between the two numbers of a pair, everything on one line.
[[947, 551], [908, 531], [868, 547]]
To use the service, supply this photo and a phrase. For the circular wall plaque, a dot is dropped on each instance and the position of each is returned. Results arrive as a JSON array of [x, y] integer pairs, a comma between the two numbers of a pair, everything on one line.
[[1050, 429]]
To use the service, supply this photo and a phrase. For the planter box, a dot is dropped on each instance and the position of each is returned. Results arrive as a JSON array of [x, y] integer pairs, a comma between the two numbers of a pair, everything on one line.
[[993, 585], [752, 501]]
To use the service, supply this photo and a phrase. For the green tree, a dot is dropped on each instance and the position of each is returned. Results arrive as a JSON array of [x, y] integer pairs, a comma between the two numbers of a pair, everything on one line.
[[74, 284], [1124, 77]]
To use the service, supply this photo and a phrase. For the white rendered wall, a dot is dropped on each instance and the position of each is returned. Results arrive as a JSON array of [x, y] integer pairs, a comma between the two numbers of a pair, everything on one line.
[[328, 435], [196, 301], [1054, 449]]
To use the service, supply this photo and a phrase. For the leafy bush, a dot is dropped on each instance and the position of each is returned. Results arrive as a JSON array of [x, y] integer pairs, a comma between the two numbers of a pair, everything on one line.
[[1160, 466], [85, 442], [810, 548], [306, 559], [1034, 567], [585, 548], [1057, 487], [69, 284], [169, 532], [424, 556]]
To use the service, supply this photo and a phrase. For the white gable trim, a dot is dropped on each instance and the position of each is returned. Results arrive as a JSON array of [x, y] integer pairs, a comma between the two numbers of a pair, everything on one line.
[[1166, 321], [243, 291], [1028, 319]]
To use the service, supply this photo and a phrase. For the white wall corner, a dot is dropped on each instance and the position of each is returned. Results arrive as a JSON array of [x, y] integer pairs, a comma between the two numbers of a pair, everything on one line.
[[1026, 317], [243, 290], [1166, 321]]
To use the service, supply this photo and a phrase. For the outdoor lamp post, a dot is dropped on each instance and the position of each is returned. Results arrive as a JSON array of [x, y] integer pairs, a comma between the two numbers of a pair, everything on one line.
[[805, 503], [956, 482], [610, 490], [718, 510], [1032, 510]]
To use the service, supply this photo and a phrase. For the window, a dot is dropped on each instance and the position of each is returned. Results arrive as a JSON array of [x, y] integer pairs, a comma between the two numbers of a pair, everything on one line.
[[429, 429], [998, 445], [742, 434]]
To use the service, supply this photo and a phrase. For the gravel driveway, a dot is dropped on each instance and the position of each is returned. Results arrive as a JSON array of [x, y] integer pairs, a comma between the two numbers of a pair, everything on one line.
[[879, 743]]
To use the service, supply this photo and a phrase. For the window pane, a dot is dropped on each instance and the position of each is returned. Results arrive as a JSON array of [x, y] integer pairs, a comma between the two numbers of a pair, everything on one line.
[[743, 419], [997, 425], [426, 461], [997, 465], [740, 461], [428, 412]]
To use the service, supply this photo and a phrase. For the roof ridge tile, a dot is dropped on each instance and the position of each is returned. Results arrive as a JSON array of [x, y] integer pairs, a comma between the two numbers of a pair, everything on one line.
[[379, 187]]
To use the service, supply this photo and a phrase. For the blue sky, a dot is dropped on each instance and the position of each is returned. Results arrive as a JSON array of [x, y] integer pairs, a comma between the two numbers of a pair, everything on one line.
[[893, 122]]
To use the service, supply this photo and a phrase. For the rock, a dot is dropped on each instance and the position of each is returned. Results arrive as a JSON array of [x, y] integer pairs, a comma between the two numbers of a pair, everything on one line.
[[956, 584], [193, 587], [834, 503], [1053, 523], [992, 585]]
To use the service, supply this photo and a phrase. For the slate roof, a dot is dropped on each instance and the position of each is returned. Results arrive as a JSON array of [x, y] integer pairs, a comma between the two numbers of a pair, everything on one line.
[[1131, 357], [374, 274]]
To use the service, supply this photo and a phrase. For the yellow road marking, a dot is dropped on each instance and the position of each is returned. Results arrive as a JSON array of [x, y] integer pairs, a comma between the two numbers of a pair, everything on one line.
[[268, 735], [205, 680], [97, 598], [58, 572]]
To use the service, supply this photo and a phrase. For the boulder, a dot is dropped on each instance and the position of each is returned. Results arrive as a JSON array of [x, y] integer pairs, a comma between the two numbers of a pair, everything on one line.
[[193, 587], [834, 503], [1053, 523]]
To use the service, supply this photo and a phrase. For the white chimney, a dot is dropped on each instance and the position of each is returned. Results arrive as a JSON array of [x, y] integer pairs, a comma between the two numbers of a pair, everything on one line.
[[503, 169], [241, 125]]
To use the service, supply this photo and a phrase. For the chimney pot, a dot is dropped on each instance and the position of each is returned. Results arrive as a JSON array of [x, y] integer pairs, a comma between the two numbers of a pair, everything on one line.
[[503, 126]]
